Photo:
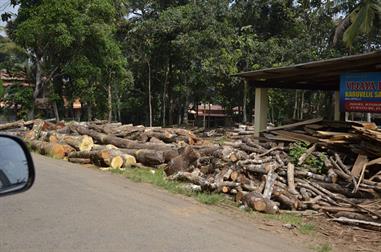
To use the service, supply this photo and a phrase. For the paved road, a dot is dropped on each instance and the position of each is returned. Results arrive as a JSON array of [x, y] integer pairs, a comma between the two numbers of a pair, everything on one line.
[[73, 208]]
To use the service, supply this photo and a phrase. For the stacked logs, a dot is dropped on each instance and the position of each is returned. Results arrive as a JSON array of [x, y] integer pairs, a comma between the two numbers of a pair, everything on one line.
[[103, 144], [260, 173], [265, 175]]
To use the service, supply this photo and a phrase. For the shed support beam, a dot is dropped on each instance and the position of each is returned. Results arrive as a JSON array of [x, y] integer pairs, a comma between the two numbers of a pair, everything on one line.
[[336, 102], [261, 109]]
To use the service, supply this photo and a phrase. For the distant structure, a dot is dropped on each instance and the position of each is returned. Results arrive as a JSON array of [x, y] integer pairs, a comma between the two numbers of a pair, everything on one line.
[[42, 102], [213, 115], [18, 79], [10, 80]]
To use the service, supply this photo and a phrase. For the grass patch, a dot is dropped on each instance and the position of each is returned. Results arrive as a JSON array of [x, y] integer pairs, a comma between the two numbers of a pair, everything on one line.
[[157, 177], [307, 228], [210, 198], [323, 248], [298, 221], [221, 140]]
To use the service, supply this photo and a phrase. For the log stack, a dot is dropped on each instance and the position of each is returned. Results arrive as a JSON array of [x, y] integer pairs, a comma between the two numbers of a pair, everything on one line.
[[329, 167], [336, 170], [103, 144]]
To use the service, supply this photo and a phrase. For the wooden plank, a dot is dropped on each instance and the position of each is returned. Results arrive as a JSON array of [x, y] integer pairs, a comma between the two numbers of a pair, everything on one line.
[[369, 126], [329, 141], [359, 164], [300, 137], [294, 125], [336, 136], [279, 138], [314, 126], [309, 131], [372, 134], [365, 125]]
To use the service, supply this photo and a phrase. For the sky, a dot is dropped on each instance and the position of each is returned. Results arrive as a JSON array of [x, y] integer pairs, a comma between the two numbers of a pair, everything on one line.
[[5, 6]]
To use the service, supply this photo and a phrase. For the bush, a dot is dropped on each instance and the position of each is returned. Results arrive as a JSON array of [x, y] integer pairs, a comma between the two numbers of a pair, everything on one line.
[[22, 98], [316, 162]]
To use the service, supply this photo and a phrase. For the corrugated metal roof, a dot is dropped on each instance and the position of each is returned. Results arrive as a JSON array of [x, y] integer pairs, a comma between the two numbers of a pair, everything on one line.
[[323, 74]]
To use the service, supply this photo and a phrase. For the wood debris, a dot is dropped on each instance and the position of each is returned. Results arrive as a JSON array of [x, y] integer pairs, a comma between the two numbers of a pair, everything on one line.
[[329, 167]]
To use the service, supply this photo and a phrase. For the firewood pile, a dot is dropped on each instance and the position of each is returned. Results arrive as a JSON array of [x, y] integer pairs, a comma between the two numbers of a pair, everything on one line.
[[328, 167]]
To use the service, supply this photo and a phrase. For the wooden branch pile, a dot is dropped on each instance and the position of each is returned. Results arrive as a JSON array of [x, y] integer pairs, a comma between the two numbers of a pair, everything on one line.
[[262, 173], [265, 176]]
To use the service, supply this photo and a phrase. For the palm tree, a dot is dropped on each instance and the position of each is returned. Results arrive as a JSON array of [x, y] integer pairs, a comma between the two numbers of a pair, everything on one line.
[[362, 19]]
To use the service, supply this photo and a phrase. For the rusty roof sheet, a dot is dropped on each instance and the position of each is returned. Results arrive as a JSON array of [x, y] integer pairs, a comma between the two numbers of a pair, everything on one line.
[[321, 75]]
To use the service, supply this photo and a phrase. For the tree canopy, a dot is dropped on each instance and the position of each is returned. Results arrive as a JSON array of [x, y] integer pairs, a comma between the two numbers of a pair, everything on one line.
[[147, 61]]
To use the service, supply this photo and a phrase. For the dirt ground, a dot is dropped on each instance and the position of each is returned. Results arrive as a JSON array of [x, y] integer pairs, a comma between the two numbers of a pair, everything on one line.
[[326, 235]]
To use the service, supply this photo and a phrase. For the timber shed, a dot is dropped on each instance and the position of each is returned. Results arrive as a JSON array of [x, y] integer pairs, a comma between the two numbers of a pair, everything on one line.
[[317, 75]]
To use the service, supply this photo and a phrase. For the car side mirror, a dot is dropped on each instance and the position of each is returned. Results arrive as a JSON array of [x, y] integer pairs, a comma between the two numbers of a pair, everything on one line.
[[16, 166]]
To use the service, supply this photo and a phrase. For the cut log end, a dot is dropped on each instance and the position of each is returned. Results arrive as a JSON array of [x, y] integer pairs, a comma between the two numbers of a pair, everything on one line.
[[129, 161], [116, 162], [86, 144]]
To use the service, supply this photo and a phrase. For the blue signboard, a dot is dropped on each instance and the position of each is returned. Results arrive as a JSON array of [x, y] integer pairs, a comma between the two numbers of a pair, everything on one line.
[[360, 92]]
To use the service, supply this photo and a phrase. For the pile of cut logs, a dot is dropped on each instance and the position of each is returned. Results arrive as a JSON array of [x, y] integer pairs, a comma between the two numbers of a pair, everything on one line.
[[261, 173], [103, 144]]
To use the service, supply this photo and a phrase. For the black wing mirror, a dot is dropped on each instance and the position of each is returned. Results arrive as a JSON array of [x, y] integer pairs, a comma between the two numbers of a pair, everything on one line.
[[16, 166]]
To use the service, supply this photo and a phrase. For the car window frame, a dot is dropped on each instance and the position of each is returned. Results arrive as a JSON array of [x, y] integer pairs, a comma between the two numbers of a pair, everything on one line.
[[31, 169]]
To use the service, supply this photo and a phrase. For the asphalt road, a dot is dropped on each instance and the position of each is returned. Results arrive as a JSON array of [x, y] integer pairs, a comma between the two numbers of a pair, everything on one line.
[[73, 208]]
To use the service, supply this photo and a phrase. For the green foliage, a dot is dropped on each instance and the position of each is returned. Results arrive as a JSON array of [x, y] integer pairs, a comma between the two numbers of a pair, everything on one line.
[[75, 39], [296, 151], [187, 50], [2, 90], [365, 19], [316, 163], [20, 98], [12, 57]]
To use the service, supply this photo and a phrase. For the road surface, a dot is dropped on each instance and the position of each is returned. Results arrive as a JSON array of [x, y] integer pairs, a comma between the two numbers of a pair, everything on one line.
[[73, 208]]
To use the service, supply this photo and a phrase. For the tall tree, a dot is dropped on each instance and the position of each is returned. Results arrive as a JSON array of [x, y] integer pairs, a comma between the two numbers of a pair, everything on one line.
[[62, 33], [365, 19]]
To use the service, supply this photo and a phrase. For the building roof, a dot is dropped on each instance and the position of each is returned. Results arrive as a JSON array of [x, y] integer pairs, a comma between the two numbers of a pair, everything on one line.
[[211, 107], [18, 79], [319, 75]]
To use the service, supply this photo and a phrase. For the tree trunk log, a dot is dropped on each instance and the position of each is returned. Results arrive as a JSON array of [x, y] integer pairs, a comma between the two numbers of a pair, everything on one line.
[[80, 160], [11, 125], [270, 180], [120, 142], [257, 202], [54, 150], [80, 143], [183, 161], [290, 178]]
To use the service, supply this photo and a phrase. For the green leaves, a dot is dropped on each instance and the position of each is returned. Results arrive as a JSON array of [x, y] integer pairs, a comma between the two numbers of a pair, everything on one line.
[[361, 20], [189, 49], [19, 97], [1, 89]]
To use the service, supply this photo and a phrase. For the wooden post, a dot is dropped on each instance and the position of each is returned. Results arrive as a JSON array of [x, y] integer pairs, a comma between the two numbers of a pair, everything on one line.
[[244, 109], [261, 109], [336, 102], [368, 117], [347, 116]]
